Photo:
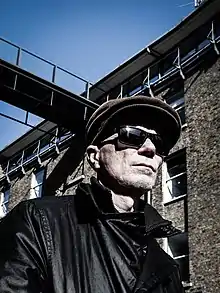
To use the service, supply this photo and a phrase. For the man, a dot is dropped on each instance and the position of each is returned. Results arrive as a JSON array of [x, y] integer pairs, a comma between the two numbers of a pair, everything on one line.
[[102, 239]]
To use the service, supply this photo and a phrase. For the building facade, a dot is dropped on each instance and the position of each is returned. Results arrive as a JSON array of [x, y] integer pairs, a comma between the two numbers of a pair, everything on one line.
[[183, 69]]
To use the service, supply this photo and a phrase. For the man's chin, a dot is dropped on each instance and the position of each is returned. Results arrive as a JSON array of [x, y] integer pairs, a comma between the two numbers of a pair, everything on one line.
[[140, 185]]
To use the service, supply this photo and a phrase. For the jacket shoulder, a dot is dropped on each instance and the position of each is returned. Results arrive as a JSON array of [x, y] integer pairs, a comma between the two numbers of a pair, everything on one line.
[[51, 205], [48, 201], [48, 204]]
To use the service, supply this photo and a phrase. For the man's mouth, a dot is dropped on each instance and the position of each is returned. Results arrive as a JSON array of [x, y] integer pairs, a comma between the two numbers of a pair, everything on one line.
[[146, 166]]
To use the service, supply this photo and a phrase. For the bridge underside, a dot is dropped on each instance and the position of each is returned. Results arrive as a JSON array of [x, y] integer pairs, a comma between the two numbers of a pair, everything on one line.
[[43, 98]]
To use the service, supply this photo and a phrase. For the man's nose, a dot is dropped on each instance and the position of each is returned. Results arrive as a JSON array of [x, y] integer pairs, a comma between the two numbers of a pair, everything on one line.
[[147, 149]]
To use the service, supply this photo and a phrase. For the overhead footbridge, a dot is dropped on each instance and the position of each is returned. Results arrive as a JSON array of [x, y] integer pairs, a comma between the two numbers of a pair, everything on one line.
[[41, 97]]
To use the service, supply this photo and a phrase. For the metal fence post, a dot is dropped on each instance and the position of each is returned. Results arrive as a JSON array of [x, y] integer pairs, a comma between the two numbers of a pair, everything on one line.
[[18, 57], [87, 97]]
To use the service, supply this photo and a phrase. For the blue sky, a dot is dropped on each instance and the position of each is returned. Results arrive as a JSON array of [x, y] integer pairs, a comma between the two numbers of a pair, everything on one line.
[[88, 38]]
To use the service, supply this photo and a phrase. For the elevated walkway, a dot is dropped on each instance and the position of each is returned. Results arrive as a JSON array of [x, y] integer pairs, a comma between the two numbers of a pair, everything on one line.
[[41, 97]]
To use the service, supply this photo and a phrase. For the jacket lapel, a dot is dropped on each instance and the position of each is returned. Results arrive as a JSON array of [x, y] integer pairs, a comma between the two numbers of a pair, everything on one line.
[[158, 266]]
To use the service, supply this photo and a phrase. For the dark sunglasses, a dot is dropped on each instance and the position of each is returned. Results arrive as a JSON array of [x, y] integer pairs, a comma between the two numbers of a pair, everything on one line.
[[134, 137]]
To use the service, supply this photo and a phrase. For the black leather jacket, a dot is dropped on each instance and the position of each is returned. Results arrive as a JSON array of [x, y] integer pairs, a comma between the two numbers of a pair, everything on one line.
[[80, 244]]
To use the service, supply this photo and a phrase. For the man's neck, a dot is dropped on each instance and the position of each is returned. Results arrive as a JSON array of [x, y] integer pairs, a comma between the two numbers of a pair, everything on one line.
[[124, 200], [123, 204]]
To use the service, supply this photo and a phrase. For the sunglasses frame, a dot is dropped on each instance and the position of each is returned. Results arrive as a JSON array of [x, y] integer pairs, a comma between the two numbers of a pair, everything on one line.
[[149, 135]]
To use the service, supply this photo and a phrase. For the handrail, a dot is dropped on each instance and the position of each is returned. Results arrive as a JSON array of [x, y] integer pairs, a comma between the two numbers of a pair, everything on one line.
[[74, 75], [20, 49], [9, 171], [37, 56], [185, 63], [84, 101], [10, 43], [172, 70]]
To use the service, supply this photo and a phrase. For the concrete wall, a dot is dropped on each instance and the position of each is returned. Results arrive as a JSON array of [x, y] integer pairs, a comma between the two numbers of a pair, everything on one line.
[[62, 171], [203, 113], [201, 139]]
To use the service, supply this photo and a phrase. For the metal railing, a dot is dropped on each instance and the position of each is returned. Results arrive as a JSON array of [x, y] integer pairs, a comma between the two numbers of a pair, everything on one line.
[[80, 87], [54, 67], [179, 63], [35, 152]]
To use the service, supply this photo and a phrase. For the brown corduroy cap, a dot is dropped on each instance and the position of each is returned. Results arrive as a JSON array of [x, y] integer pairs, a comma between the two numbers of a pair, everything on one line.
[[152, 113]]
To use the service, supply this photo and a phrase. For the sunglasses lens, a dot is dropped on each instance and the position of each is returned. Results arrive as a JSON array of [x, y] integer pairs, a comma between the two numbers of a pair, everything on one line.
[[157, 141], [136, 137], [132, 136]]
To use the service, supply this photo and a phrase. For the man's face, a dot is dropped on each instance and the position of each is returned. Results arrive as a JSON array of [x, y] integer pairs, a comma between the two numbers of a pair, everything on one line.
[[129, 167]]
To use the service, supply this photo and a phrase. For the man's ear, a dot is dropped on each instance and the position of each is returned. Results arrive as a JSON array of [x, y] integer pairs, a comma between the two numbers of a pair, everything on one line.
[[93, 156]]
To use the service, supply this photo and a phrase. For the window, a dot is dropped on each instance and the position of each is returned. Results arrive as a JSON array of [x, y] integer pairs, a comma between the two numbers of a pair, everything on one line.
[[63, 134], [177, 247], [177, 101], [37, 181], [4, 200], [175, 98], [175, 177], [167, 64], [15, 162], [30, 152]]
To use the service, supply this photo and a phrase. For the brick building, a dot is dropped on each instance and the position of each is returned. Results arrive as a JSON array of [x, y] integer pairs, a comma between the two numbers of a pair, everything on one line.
[[182, 68]]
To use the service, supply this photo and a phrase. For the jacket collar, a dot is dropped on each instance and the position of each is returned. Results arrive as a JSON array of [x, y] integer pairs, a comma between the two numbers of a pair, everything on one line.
[[95, 201], [102, 196]]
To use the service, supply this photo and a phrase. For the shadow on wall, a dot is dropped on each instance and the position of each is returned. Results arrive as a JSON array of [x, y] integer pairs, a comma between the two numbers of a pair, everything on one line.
[[204, 66], [66, 166]]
